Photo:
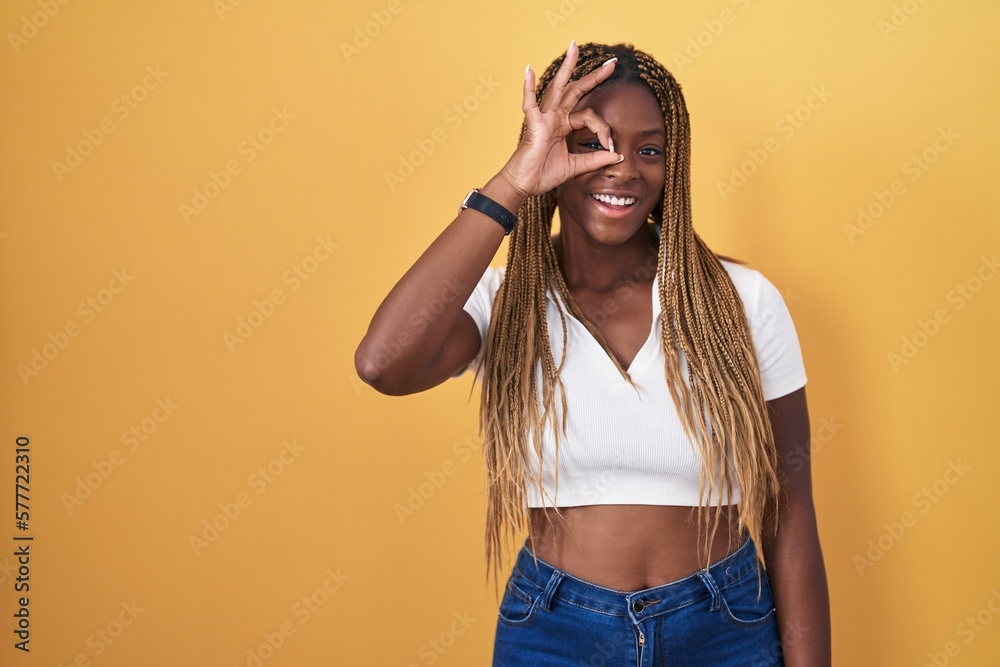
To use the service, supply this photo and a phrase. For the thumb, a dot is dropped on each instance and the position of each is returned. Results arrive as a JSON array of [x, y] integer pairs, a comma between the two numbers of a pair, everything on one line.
[[581, 163]]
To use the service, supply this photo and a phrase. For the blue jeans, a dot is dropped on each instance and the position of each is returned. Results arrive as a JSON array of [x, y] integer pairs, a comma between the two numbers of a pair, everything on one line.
[[549, 618]]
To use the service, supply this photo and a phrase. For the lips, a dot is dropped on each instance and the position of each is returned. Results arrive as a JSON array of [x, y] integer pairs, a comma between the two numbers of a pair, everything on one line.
[[624, 200], [613, 205]]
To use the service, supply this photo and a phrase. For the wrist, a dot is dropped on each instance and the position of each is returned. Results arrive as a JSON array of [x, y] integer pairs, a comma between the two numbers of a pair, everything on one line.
[[502, 190], [477, 201]]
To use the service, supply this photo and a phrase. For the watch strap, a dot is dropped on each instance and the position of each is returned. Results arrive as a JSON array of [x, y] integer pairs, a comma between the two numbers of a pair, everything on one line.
[[484, 204]]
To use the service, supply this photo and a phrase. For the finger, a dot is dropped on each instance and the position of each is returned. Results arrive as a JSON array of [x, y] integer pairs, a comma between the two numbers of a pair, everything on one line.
[[588, 118], [581, 163], [553, 93], [529, 103], [573, 92]]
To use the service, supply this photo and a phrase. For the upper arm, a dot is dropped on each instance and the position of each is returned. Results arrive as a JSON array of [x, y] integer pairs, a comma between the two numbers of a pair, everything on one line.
[[789, 416], [783, 379], [459, 350], [475, 318], [463, 343]]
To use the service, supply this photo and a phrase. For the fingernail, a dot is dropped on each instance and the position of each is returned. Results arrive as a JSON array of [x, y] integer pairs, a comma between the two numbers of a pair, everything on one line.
[[608, 62], [611, 144], [526, 70], [571, 43], [620, 158]]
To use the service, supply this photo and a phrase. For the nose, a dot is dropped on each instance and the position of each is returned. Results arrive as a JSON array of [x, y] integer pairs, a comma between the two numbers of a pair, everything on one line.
[[623, 171]]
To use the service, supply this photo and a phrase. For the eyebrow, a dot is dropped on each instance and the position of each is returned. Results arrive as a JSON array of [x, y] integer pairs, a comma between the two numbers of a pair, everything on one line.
[[645, 133]]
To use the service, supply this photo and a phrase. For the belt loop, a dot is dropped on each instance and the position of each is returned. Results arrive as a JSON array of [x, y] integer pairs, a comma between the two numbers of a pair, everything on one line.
[[550, 588], [709, 582]]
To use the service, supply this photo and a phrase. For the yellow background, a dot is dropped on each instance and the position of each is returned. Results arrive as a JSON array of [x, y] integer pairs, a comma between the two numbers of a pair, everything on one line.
[[345, 118]]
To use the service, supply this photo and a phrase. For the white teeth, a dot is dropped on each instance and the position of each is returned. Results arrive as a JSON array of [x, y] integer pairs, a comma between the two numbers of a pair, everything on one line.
[[614, 201]]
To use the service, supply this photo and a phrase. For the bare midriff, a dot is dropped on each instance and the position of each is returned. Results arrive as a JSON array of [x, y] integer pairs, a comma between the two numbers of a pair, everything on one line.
[[628, 547]]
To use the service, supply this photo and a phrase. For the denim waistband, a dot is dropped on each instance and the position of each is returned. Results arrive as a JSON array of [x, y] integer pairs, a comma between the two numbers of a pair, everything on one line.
[[637, 605]]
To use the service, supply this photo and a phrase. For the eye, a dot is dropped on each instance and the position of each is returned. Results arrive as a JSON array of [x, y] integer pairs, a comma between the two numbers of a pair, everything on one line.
[[650, 150], [593, 144]]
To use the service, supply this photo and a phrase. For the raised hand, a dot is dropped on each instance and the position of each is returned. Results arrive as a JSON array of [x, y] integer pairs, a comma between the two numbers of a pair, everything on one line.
[[541, 160]]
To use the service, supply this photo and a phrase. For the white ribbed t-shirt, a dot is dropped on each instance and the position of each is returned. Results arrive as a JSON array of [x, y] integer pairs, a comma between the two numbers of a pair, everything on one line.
[[627, 447]]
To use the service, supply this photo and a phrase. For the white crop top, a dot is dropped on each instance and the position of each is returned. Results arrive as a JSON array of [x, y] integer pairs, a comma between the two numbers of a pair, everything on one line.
[[624, 447]]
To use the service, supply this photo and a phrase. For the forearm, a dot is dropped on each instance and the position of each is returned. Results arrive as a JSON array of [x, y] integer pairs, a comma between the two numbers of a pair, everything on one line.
[[412, 323], [798, 582]]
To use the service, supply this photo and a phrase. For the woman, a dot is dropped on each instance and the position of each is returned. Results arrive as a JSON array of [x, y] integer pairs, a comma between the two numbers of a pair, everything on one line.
[[669, 379]]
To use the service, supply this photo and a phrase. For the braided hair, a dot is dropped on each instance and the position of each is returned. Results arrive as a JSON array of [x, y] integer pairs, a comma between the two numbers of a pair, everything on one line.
[[721, 402]]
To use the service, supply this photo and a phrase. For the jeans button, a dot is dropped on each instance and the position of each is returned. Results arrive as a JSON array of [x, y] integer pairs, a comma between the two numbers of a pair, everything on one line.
[[638, 605]]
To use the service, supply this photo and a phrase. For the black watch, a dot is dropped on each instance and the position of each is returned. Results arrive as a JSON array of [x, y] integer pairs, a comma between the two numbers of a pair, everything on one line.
[[484, 204]]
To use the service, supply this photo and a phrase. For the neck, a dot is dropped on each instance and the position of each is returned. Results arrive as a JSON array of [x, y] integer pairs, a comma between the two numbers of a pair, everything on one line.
[[596, 267]]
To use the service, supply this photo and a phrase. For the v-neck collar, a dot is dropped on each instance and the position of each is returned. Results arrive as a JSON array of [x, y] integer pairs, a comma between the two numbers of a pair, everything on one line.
[[648, 350], [607, 363]]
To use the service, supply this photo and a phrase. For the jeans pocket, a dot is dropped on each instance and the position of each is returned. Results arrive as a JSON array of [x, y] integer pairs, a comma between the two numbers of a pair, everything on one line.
[[740, 604], [520, 600]]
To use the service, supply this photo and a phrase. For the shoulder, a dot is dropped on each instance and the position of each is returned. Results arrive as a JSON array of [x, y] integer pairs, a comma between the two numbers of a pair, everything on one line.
[[746, 280], [762, 300], [775, 340]]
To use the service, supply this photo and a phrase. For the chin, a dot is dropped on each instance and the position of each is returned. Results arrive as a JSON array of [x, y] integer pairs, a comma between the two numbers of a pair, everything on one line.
[[613, 232]]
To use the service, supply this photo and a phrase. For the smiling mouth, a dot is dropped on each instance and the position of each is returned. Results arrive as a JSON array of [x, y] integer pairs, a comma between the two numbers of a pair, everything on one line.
[[611, 200]]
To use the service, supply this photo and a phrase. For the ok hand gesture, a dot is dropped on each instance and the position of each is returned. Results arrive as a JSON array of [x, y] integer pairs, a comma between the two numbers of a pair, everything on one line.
[[541, 160]]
